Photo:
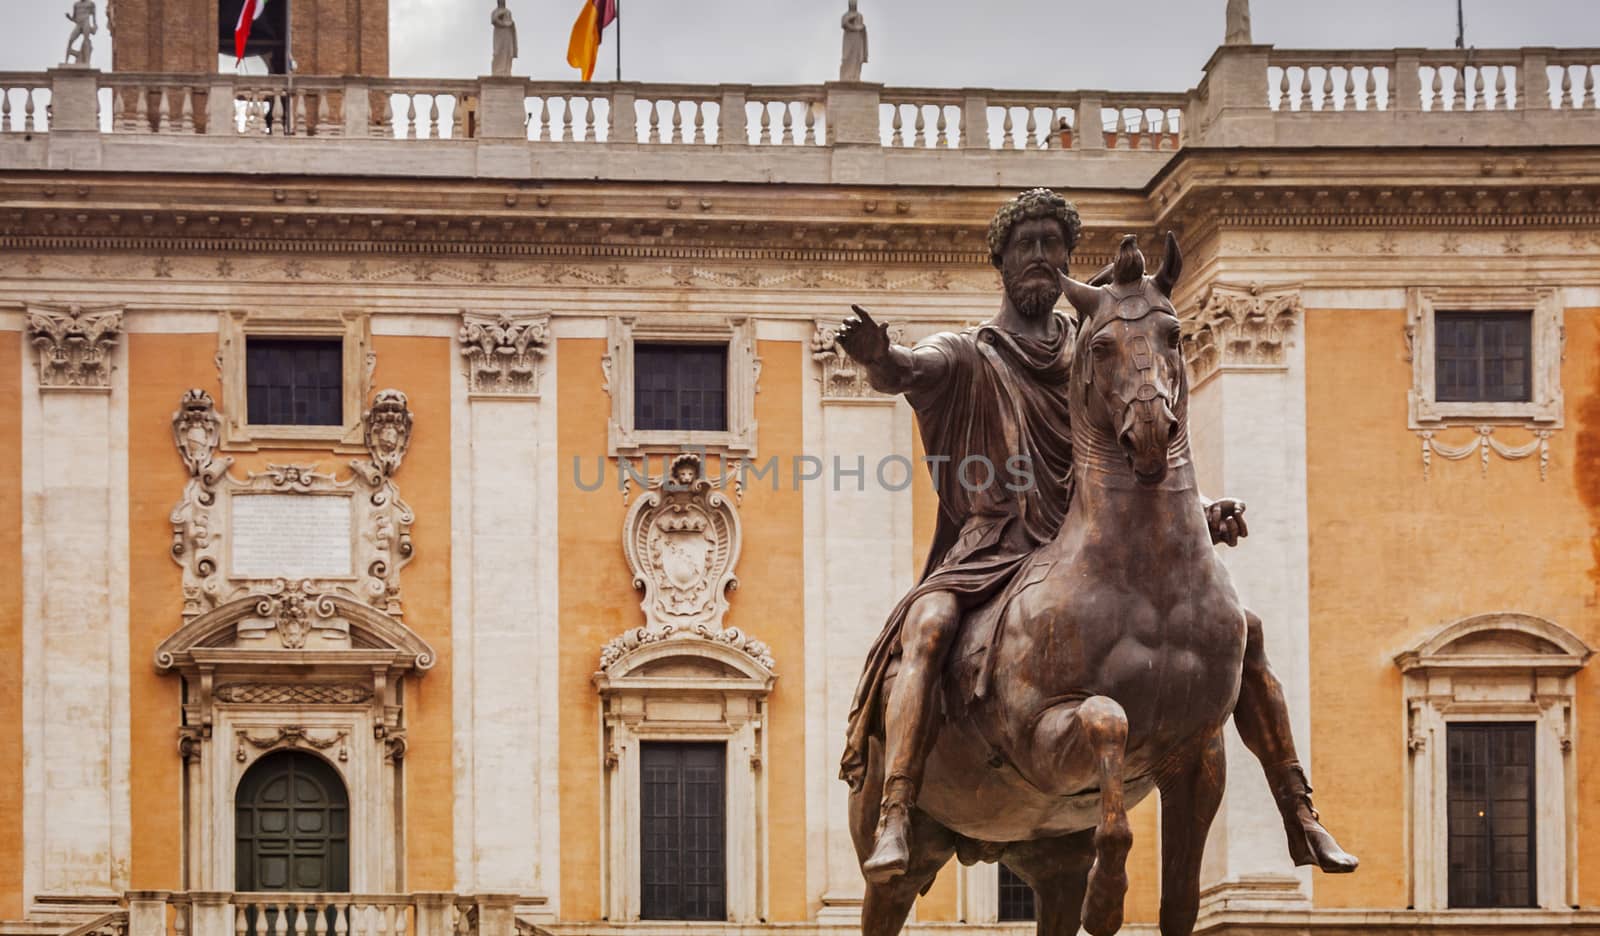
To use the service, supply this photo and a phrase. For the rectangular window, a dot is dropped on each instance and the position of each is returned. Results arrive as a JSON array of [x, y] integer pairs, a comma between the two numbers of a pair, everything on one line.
[[1016, 898], [1490, 802], [1483, 357], [681, 387], [294, 381], [683, 872]]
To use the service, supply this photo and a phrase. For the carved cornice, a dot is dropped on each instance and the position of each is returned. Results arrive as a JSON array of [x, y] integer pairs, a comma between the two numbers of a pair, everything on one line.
[[1239, 327], [504, 354], [843, 380], [74, 345], [619, 647]]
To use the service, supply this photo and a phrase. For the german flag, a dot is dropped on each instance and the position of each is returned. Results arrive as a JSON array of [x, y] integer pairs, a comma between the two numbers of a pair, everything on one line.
[[584, 46]]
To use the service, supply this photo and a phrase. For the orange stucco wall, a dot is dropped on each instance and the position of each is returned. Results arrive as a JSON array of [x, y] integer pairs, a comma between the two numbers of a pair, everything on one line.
[[597, 602], [11, 624], [160, 368], [421, 368], [1394, 556]]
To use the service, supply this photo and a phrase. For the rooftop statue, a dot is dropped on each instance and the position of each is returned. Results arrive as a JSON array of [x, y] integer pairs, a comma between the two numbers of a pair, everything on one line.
[[505, 40], [1083, 572], [84, 26], [855, 44], [1238, 23]]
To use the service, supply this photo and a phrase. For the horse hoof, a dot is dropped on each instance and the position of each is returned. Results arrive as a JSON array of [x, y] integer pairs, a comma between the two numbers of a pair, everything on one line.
[[1102, 904]]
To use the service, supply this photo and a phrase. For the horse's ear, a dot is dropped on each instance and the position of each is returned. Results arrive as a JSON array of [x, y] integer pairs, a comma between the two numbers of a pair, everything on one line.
[[1084, 298], [1171, 267]]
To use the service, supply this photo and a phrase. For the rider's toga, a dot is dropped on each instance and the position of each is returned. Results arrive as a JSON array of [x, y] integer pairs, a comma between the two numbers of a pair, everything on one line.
[[1000, 397]]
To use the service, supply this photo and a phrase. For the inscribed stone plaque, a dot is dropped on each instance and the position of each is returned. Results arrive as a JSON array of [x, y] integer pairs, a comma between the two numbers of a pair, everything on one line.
[[290, 536]]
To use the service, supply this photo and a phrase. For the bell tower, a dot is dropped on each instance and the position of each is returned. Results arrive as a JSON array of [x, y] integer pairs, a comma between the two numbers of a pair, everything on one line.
[[314, 37]]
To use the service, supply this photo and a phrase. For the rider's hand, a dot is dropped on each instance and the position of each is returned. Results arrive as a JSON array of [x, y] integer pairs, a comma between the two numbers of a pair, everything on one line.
[[1225, 517], [862, 338]]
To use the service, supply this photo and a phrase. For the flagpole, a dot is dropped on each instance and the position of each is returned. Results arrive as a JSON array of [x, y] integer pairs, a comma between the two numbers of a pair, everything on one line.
[[619, 39], [1461, 26]]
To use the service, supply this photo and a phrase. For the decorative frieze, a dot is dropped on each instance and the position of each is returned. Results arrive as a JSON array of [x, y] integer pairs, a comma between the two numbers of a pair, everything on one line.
[[843, 380], [681, 538], [1240, 327], [1482, 444], [75, 345], [296, 693], [504, 354]]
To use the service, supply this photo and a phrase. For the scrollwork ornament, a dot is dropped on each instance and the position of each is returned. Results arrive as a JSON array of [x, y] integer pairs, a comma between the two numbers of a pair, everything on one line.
[[197, 431], [388, 431], [681, 538]]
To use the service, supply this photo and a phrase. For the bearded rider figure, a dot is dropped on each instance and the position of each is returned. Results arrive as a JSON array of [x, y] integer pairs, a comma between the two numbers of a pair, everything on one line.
[[996, 395]]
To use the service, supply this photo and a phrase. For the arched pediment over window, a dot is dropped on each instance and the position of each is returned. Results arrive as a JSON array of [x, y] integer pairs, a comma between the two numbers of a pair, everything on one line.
[[667, 658], [1504, 640]]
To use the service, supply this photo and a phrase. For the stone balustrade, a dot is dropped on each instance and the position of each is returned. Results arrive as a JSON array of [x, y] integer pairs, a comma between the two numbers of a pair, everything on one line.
[[197, 913], [828, 133]]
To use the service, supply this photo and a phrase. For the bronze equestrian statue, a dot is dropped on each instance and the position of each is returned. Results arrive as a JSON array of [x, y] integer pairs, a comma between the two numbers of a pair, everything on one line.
[[1093, 592]]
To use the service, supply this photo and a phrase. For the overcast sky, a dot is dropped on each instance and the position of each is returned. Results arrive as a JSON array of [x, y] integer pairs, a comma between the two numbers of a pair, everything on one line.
[[1055, 44]]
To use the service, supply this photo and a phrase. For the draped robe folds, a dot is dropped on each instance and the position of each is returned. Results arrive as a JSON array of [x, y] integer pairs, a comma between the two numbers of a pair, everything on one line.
[[1000, 397]]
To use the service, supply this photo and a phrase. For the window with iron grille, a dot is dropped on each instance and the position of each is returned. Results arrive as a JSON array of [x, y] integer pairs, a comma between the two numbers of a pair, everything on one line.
[[294, 381], [1016, 898], [1483, 357], [683, 856], [1491, 810], [680, 387]]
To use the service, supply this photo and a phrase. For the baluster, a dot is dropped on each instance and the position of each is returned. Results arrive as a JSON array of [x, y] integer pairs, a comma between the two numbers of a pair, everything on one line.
[[677, 121], [164, 112], [1348, 102], [1437, 102], [325, 112], [788, 124], [1305, 88], [360, 920], [341, 920], [1566, 88], [241, 919], [919, 130], [27, 110], [180, 919], [385, 920], [941, 127], [433, 116], [1458, 89], [1478, 101], [5, 110], [1327, 88], [1031, 130], [811, 123], [1372, 88], [1143, 131], [1588, 85], [566, 119], [588, 120], [1283, 92], [699, 108], [411, 116], [1499, 101], [544, 119], [298, 925], [300, 128], [894, 126], [1008, 136], [655, 122], [400, 921]]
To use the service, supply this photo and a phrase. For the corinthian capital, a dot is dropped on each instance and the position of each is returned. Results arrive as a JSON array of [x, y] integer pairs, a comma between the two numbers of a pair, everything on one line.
[[75, 345], [1240, 326]]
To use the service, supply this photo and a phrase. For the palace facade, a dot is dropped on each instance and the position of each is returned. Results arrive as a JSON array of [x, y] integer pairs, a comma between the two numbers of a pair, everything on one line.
[[348, 583]]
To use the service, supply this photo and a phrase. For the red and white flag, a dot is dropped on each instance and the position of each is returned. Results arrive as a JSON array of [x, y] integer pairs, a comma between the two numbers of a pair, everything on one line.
[[248, 14]]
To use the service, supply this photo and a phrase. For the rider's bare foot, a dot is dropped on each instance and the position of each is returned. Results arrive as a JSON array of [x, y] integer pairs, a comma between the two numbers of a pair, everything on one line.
[[1311, 844], [892, 852], [1108, 879]]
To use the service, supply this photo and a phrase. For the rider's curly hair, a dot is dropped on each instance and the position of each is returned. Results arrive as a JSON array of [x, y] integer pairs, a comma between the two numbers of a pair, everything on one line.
[[1034, 203]]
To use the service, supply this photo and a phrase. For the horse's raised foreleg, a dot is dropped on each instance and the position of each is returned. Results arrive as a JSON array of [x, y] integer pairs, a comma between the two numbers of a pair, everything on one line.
[[1189, 800], [1058, 871], [1071, 738]]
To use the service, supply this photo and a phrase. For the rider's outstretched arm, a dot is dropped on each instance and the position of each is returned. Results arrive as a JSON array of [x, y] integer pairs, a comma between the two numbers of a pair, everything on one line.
[[903, 370]]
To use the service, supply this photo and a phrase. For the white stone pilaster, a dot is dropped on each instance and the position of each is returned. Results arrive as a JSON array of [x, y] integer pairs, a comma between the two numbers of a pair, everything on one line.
[[504, 492], [75, 663], [1247, 421], [859, 563]]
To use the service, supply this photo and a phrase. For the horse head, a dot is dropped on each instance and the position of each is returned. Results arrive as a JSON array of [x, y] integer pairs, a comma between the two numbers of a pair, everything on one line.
[[1128, 362]]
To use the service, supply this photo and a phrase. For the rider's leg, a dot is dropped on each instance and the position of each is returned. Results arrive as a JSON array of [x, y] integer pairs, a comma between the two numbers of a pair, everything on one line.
[[1262, 717], [909, 727]]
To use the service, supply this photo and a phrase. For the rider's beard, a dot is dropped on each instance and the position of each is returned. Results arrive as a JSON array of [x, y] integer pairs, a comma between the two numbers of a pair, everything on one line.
[[1033, 296]]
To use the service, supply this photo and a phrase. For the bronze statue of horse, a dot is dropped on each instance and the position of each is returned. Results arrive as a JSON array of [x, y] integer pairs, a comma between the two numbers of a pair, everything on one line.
[[1108, 666]]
